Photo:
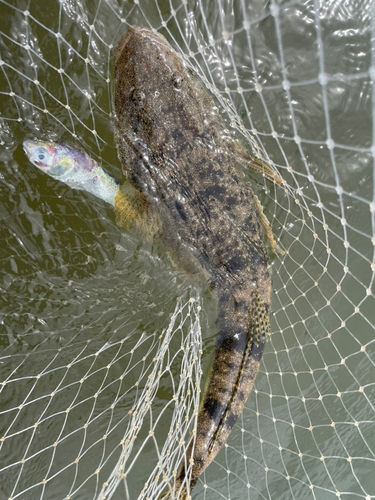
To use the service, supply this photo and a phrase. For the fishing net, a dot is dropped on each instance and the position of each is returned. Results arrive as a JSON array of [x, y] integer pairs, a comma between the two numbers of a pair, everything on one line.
[[104, 344]]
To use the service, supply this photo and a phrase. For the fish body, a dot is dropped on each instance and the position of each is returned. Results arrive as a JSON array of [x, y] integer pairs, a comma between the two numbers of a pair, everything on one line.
[[73, 167], [175, 149]]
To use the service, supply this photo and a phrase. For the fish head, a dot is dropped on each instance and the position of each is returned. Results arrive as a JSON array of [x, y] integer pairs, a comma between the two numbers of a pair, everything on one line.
[[48, 157], [155, 94]]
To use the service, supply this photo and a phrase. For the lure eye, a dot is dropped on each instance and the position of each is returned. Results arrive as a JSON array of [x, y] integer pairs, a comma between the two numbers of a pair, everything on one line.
[[41, 156]]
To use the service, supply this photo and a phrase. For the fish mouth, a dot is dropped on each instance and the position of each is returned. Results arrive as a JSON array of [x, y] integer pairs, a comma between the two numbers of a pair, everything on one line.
[[40, 165], [139, 32], [149, 33], [25, 146]]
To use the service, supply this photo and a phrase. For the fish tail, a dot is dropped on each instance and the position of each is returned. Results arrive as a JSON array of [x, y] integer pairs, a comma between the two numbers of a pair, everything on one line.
[[258, 332], [234, 368]]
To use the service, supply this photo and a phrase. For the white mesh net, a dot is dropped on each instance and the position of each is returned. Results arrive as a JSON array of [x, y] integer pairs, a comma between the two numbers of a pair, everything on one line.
[[100, 367]]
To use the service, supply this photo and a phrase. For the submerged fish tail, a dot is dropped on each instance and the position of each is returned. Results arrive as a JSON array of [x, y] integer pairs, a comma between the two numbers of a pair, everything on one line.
[[234, 368]]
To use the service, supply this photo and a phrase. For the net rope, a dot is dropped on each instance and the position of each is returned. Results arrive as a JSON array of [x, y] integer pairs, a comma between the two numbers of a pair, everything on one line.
[[104, 344]]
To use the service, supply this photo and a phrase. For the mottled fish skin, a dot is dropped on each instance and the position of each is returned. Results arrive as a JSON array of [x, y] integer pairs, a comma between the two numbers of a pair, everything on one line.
[[72, 166], [174, 147]]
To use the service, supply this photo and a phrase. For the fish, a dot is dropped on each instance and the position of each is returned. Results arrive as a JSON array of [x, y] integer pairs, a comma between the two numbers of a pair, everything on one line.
[[182, 187], [174, 148], [73, 167]]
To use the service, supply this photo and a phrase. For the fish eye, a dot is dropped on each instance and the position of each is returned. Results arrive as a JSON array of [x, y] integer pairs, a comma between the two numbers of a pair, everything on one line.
[[41, 154], [138, 98], [177, 80]]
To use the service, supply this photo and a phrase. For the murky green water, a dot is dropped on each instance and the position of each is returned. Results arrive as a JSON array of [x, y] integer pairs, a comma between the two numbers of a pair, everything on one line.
[[69, 275]]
